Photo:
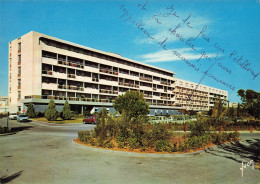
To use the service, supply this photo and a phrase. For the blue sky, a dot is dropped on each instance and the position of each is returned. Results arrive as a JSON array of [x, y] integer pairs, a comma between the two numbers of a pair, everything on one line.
[[146, 31]]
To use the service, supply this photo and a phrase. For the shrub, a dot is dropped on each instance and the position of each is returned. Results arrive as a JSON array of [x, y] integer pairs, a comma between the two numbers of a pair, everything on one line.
[[162, 145], [51, 113], [133, 143], [66, 113], [121, 142], [84, 136], [159, 132], [100, 142], [30, 111], [40, 114], [3, 130], [109, 144], [199, 127], [184, 145]]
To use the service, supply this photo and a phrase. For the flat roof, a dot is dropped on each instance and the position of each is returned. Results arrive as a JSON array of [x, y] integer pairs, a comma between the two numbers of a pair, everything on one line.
[[112, 54]]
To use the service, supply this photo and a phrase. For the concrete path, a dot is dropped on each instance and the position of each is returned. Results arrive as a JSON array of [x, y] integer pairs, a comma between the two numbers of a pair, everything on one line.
[[46, 154]]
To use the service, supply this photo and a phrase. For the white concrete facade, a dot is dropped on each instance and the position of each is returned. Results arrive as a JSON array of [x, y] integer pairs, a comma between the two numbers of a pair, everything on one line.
[[43, 67], [4, 104], [198, 97]]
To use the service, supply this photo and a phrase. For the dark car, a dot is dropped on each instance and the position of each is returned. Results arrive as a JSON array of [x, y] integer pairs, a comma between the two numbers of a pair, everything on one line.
[[90, 120]]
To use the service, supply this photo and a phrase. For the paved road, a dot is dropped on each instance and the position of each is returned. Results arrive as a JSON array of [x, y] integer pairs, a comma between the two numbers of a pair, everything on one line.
[[46, 154]]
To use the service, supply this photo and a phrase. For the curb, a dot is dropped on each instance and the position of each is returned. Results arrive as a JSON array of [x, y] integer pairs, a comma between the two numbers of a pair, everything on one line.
[[41, 123], [148, 155], [12, 133]]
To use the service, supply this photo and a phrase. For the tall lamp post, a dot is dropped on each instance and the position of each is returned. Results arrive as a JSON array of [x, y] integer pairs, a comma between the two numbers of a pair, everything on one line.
[[7, 119]]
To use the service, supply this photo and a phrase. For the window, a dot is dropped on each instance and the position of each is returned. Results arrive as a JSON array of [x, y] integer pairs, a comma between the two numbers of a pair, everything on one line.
[[19, 82], [19, 70], [19, 94], [19, 58], [19, 46]]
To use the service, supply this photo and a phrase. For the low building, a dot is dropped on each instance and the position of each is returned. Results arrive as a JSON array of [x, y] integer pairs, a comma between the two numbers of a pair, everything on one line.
[[4, 104]]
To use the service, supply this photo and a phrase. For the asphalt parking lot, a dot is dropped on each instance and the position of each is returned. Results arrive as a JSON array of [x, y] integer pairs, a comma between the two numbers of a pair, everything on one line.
[[47, 154]]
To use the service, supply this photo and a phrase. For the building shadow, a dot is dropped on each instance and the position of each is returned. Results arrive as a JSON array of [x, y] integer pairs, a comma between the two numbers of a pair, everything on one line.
[[6, 179], [242, 151]]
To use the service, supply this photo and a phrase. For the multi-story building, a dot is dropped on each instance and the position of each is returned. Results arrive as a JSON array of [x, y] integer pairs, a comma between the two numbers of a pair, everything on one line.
[[191, 96], [42, 67], [4, 105]]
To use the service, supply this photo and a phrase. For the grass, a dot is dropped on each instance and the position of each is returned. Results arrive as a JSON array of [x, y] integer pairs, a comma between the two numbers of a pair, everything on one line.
[[59, 120]]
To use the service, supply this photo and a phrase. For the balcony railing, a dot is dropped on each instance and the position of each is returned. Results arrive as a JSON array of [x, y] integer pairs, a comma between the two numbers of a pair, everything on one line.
[[71, 87], [62, 62], [145, 79], [19, 63], [68, 98], [19, 75], [95, 79], [47, 72], [19, 87], [105, 91], [72, 76], [78, 65], [162, 82]]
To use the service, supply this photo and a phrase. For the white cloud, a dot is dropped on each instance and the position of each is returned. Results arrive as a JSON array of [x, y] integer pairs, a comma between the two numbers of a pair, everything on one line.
[[168, 56]]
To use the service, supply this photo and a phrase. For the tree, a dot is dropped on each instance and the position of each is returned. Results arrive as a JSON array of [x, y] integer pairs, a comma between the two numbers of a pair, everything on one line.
[[66, 113], [218, 110], [31, 111], [51, 113], [133, 103], [231, 112], [250, 102]]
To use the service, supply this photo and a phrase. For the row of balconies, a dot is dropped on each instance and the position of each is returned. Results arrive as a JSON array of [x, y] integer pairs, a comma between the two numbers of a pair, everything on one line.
[[85, 99], [128, 84], [71, 87], [108, 91], [103, 70], [145, 79], [109, 71], [64, 62]]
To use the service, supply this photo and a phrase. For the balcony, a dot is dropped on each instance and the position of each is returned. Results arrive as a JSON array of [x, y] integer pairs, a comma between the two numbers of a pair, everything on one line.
[[105, 91], [62, 86], [95, 79], [145, 79], [62, 62], [72, 76], [49, 60], [68, 98], [51, 86], [19, 87], [19, 75], [19, 63], [19, 51], [78, 65], [47, 72]]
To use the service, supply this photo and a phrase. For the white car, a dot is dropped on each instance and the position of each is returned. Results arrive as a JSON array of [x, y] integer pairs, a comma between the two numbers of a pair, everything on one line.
[[13, 116], [22, 117]]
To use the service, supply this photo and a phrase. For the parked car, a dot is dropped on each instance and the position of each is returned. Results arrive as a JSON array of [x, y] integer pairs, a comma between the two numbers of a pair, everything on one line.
[[22, 117], [90, 120], [13, 116]]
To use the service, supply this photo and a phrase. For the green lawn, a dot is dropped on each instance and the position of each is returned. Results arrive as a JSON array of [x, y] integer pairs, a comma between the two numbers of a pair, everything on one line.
[[59, 120]]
